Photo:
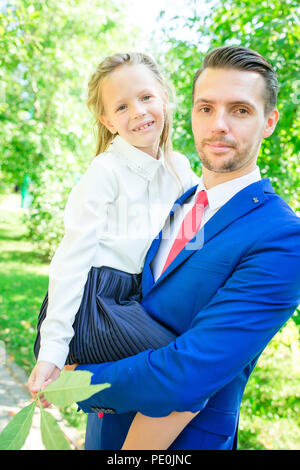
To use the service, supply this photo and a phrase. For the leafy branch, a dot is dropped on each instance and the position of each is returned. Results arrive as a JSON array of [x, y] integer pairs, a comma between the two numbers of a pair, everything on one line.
[[70, 387]]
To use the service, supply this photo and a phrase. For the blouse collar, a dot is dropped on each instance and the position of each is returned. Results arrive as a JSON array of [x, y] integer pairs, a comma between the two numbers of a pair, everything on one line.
[[140, 162]]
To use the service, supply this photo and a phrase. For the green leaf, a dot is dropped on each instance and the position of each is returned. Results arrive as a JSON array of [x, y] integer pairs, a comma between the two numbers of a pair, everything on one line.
[[52, 436], [15, 433], [72, 386]]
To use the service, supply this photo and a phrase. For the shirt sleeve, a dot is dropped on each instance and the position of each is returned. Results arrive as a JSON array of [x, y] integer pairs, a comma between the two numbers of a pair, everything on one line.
[[84, 219]]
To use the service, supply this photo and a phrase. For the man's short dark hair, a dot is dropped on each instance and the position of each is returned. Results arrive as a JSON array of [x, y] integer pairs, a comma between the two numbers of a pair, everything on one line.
[[242, 58]]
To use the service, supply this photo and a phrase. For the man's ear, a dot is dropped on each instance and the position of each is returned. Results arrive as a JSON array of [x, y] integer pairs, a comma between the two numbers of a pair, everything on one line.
[[106, 122], [271, 122]]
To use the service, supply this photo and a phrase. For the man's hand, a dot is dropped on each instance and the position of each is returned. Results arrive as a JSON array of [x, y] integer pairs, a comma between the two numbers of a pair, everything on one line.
[[42, 375], [70, 367]]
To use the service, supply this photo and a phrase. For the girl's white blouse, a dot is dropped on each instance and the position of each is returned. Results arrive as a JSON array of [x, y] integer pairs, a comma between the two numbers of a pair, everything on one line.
[[111, 218]]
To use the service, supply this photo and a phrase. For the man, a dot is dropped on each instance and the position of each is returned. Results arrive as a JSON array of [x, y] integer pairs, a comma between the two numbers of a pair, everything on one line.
[[228, 290]]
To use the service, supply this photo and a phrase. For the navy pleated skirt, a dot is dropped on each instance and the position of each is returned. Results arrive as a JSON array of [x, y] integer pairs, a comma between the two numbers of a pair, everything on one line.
[[111, 323]]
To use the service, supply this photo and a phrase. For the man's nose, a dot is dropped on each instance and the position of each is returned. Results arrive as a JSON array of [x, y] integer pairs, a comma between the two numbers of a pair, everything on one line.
[[220, 122]]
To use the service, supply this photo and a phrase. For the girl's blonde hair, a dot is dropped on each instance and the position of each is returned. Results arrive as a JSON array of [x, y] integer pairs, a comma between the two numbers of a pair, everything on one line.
[[95, 103]]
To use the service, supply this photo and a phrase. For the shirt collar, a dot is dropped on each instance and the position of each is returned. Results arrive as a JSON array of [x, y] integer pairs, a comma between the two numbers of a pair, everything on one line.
[[140, 162], [220, 194]]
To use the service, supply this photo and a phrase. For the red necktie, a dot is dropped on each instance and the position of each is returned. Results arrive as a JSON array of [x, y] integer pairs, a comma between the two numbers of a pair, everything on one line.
[[189, 227]]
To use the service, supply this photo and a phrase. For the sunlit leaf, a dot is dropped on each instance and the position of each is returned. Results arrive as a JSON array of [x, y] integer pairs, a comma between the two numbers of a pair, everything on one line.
[[52, 436], [72, 386], [15, 433]]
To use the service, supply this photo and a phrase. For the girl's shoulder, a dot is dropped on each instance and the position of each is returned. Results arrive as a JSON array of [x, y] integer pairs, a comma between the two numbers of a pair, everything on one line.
[[180, 159], [182, 166], [99, 176], [105, 159], [103, 165]]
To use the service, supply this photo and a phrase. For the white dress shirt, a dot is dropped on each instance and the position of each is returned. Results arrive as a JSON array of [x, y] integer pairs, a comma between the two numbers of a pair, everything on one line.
[[111, 218], [217, 197]]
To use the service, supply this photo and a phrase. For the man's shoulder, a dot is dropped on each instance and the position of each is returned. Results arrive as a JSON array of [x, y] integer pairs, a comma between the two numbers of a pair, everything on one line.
[[266, 215], [276, 218], [280, 206], [274, 203]]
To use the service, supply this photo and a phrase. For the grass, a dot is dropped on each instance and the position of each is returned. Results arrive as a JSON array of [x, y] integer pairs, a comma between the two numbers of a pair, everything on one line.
[[23, 284], [270, 412]]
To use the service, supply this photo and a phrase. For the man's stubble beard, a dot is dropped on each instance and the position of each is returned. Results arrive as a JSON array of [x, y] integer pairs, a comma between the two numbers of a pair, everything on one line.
[[235, 162]]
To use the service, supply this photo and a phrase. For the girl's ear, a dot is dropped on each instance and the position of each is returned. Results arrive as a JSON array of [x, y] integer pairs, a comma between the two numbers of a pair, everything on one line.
[[107, 124], [165, 98]]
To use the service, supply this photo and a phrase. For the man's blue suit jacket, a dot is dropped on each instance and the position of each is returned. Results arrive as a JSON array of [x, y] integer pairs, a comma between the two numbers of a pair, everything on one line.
[[225, 300]]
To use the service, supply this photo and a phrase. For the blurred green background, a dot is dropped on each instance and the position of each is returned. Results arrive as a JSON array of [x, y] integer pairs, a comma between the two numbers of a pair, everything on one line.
[[48, 50]]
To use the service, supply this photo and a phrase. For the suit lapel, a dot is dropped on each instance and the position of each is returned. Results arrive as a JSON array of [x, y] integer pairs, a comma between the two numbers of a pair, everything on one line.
[[147, 275], [243, 202]]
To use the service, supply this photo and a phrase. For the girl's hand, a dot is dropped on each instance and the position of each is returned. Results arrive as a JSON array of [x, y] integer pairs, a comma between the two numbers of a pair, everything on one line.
[[42, 375]]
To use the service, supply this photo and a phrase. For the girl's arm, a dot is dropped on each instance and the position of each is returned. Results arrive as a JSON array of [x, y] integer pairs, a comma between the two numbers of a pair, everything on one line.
[[85, 220], [147, 433]]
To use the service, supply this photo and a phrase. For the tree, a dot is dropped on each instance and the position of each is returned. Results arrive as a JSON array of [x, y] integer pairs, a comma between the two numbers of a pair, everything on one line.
[[48, 51], [274, 31]]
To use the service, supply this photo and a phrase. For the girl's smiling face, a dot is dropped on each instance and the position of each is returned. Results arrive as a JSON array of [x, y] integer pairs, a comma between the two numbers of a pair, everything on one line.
[[134, 106]]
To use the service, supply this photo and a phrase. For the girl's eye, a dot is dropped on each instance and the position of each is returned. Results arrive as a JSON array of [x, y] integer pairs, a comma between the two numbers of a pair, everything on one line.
[[122, 107], [146, 97]]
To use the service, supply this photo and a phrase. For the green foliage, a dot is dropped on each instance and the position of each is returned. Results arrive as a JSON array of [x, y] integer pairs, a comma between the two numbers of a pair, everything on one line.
[[270, 417], [14, 435], [45, 218], [48, 51], [23, 285], [52, 436], [274, 31], [71, 387], [68, 388]]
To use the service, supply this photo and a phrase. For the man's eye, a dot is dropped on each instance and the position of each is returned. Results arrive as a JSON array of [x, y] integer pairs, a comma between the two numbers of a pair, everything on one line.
[[242, 111], [204, 109]]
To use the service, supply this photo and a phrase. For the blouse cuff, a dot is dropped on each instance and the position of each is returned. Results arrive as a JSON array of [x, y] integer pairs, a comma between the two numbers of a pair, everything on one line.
[[54, 353]]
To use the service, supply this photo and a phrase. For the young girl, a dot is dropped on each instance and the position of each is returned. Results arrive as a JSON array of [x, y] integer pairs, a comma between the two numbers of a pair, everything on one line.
[[91, 313]]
